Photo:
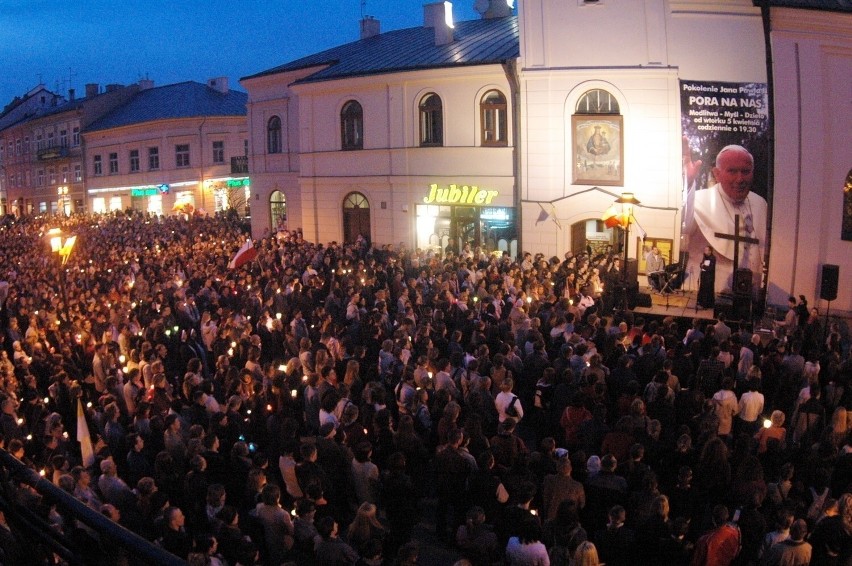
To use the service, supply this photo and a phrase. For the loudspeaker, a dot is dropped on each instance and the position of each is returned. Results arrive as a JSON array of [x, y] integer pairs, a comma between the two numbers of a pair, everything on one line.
[[683, 259], [643, 300], [632, 294], [742, 307], [632, 271], [828, 282], [742, 281]]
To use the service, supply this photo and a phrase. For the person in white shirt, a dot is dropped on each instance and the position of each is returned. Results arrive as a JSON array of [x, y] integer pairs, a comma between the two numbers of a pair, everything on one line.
[[750, 407], [725, 406], [506, 399]]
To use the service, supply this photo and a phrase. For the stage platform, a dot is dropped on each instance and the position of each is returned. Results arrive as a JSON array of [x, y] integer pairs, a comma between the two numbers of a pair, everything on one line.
[[680, 304]]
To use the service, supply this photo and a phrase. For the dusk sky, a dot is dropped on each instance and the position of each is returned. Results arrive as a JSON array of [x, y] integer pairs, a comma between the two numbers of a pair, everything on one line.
[[70, 43]]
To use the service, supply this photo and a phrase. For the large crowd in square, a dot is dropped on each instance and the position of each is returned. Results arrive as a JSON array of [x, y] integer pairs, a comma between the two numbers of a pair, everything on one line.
[[327, 403]]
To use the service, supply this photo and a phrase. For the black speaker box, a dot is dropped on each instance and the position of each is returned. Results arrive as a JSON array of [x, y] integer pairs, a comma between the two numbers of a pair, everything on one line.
[[632, 294], [643, 300], [828, 282], [632, 271], [742, 307], [683, 259], [742, 281]]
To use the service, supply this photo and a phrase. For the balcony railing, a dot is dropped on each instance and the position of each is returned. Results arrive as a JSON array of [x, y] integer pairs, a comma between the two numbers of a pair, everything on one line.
[[53, 152], [239, 165]]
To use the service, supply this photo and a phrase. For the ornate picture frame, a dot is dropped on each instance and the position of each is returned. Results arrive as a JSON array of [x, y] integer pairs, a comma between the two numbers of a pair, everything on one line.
[[597, 156]]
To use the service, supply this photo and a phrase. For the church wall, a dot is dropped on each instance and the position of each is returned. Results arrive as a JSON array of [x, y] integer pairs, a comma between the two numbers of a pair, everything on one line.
[[647, 47], [812, 63]]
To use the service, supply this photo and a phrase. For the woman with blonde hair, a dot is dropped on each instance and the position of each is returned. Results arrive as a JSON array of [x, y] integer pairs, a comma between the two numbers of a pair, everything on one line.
[[838, 429], [365, 527], [775, 430], [586, 555]]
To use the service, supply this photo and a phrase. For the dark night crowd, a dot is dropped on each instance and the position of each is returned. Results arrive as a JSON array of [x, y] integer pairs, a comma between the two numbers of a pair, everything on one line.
[[353, 404]]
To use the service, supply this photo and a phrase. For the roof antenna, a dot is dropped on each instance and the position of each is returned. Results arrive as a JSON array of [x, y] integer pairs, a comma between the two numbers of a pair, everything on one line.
[[363, 9]]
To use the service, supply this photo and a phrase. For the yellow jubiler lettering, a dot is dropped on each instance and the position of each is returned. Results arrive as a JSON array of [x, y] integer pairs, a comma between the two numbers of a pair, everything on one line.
[[455, 195]]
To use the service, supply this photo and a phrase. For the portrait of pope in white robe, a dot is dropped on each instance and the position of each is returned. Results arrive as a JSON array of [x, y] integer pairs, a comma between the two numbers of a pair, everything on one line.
[[711, 211]]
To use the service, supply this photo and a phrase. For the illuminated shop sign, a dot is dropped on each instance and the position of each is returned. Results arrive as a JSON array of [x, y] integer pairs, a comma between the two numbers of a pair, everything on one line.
[[149, 191], [459, 195]]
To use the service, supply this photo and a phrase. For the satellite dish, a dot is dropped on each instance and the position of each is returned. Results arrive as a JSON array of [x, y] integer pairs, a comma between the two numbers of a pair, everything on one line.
[[481, 6]]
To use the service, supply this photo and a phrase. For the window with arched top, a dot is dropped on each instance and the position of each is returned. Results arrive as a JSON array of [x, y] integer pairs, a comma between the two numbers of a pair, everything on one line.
[[278, 209], [273, 135], [597, 101], [356, 200], [431, 121], [493, 116], [352, 126], [356, 217]]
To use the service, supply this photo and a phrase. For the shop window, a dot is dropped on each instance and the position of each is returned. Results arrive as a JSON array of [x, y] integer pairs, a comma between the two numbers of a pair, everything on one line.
[[493, 116], [431, 121], [273, 135], [352, 126], [278, 209]]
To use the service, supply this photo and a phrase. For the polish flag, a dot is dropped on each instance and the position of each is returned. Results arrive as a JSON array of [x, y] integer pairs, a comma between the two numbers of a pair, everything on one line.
[[244, 255], [612, 218]]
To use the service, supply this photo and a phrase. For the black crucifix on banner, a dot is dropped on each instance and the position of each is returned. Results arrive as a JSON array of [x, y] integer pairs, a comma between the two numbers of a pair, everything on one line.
[[737, 241]]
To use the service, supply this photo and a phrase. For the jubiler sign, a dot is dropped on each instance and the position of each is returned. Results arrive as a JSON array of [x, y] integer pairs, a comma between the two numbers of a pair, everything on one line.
[[459, 195]]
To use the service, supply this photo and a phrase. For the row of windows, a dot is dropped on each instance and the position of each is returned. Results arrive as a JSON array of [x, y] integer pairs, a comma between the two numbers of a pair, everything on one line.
[[182, 159], [51, 175], [21, 146], [493, 123]]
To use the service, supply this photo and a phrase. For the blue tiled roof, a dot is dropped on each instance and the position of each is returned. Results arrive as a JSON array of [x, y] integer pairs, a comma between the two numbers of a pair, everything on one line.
[[181, 100], [476, 42]]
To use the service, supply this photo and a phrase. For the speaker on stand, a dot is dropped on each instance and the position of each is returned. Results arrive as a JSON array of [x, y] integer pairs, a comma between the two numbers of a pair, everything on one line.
[[742, 294], [828, 282], [828, 289]]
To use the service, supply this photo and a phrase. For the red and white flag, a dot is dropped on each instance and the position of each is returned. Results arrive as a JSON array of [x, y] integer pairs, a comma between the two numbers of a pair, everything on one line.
[[244, 255]]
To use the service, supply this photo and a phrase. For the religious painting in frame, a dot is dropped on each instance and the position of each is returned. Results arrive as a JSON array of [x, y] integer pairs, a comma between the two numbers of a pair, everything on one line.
[[597, 149]]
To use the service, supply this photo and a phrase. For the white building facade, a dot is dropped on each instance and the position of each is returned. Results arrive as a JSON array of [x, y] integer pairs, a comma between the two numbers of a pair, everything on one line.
[[176, 148], [419, 157]]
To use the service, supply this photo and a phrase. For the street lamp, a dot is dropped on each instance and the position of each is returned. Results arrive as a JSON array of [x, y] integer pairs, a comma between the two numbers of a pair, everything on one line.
[[627, 202], [62, 248]]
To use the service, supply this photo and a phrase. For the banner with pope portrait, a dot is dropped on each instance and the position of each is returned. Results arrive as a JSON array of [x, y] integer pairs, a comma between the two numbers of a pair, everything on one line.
[[715, 116]]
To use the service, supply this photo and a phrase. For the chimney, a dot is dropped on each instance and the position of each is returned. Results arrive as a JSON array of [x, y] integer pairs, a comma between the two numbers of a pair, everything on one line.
[[91, 90], [370, 27], [219, 84], [145, 84], [72, 94], [439, 16], [497, 9], [113, 87]]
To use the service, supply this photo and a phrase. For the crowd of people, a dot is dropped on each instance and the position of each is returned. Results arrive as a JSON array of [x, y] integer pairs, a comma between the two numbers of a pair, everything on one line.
[[315, 405]]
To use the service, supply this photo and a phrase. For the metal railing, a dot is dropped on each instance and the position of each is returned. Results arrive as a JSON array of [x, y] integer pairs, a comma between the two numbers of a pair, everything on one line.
[[36, 529]]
